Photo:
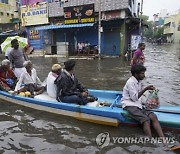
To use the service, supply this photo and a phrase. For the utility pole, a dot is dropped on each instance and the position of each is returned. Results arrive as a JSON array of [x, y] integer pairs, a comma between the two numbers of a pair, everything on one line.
[[140, 24], [99, 30], [18, 11]]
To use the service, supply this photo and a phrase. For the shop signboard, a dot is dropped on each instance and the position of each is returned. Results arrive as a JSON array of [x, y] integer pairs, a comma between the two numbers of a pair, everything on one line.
[[135, 40], [79, 14], [34, 34], [34, 14]]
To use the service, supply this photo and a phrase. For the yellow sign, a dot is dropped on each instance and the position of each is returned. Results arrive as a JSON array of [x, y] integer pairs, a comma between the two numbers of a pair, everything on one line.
[[34, 14], [85, 20], [71, 21], [76, 21]]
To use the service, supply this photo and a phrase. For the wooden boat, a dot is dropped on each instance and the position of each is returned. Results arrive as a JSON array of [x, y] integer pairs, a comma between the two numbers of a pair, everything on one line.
[[169, 116]]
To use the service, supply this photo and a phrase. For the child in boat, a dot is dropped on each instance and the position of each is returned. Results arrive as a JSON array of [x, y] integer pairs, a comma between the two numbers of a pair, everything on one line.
[[132, 102], [30, 80]]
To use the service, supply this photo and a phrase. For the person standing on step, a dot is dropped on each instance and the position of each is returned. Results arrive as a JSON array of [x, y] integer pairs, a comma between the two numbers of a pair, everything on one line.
[[17, 57], [138, 57]]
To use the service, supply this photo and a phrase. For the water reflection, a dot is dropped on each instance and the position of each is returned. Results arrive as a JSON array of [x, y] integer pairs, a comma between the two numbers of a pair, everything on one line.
[[23, 130]]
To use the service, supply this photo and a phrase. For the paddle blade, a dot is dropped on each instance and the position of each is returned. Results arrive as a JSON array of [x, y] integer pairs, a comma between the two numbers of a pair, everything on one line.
[[175, 148]]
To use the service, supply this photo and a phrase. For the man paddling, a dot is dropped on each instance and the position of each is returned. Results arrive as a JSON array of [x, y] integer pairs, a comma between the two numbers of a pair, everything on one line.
[[132, 101]]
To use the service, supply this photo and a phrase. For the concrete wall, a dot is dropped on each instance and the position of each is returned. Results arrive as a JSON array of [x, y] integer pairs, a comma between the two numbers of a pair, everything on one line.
[[177, 32], [171, 25], [107, 5], [7, 11]]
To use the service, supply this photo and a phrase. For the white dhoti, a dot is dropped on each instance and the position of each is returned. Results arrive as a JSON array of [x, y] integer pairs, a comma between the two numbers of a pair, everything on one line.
[[18, 71]]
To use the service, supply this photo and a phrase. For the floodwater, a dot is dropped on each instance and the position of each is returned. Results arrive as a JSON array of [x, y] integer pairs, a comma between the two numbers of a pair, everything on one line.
[[27, 131]]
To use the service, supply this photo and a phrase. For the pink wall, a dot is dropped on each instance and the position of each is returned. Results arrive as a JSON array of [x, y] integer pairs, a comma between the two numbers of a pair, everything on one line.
[[26, 2]]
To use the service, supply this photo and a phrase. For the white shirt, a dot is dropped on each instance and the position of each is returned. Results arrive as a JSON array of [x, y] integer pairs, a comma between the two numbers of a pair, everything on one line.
[[130, 93], [27, 79], [8, 51], [80, 46], [51, 87]]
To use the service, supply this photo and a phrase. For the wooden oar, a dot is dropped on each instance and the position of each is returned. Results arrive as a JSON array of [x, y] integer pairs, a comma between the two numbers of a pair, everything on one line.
[[165, 111], [175, 148], [154, 110]]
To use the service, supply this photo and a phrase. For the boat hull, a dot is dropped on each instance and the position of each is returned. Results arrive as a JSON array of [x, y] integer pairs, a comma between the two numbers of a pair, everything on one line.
[[108, 115]]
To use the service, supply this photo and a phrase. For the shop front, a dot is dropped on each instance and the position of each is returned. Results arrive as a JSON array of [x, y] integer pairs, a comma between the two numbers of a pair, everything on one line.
[[33, 15], [73, 34], [78, 28], [70, 35]]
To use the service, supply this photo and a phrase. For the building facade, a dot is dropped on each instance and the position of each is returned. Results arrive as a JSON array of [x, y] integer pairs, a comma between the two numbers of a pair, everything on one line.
[[172, 28], [7, 14], [69, 22], [34, 13]]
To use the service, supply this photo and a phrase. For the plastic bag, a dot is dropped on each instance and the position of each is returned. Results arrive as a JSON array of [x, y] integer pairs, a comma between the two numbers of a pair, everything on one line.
[[152, 101], [10, 82]]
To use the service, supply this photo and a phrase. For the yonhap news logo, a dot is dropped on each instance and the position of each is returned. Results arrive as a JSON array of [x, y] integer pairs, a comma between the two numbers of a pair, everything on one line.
[[103, 140]]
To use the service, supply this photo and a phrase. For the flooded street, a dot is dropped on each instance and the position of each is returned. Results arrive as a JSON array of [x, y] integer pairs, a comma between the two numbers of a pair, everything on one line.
[[23, 130]]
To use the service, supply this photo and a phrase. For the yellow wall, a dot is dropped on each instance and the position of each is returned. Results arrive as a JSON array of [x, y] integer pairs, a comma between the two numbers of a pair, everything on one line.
[[172, 31], [7, 11], [169, 29]]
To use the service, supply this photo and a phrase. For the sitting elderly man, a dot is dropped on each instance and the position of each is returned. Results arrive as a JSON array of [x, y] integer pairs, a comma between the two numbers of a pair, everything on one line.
[[51, 87], [30, 80], [7, 77]]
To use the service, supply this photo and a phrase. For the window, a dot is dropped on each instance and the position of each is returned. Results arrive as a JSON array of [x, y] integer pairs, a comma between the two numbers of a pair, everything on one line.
[[179, 27], [12, 15], [4, 1], [172, 24], [2, 13], [8, 14]]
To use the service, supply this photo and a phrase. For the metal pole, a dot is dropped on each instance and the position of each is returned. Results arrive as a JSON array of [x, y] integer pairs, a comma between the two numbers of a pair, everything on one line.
[[19, 14], [140, 24], [66, 45], [99, 31], [18, 11]]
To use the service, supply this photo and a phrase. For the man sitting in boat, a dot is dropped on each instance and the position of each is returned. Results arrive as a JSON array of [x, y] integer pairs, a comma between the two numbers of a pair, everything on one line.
[[30, 80], [7, 77], [51, 87], [132, 101], [69, 89]]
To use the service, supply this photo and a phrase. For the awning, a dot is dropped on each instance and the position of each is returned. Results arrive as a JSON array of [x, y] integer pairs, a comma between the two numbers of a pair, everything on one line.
[[15, 20], [63, 26], [9, 33]]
